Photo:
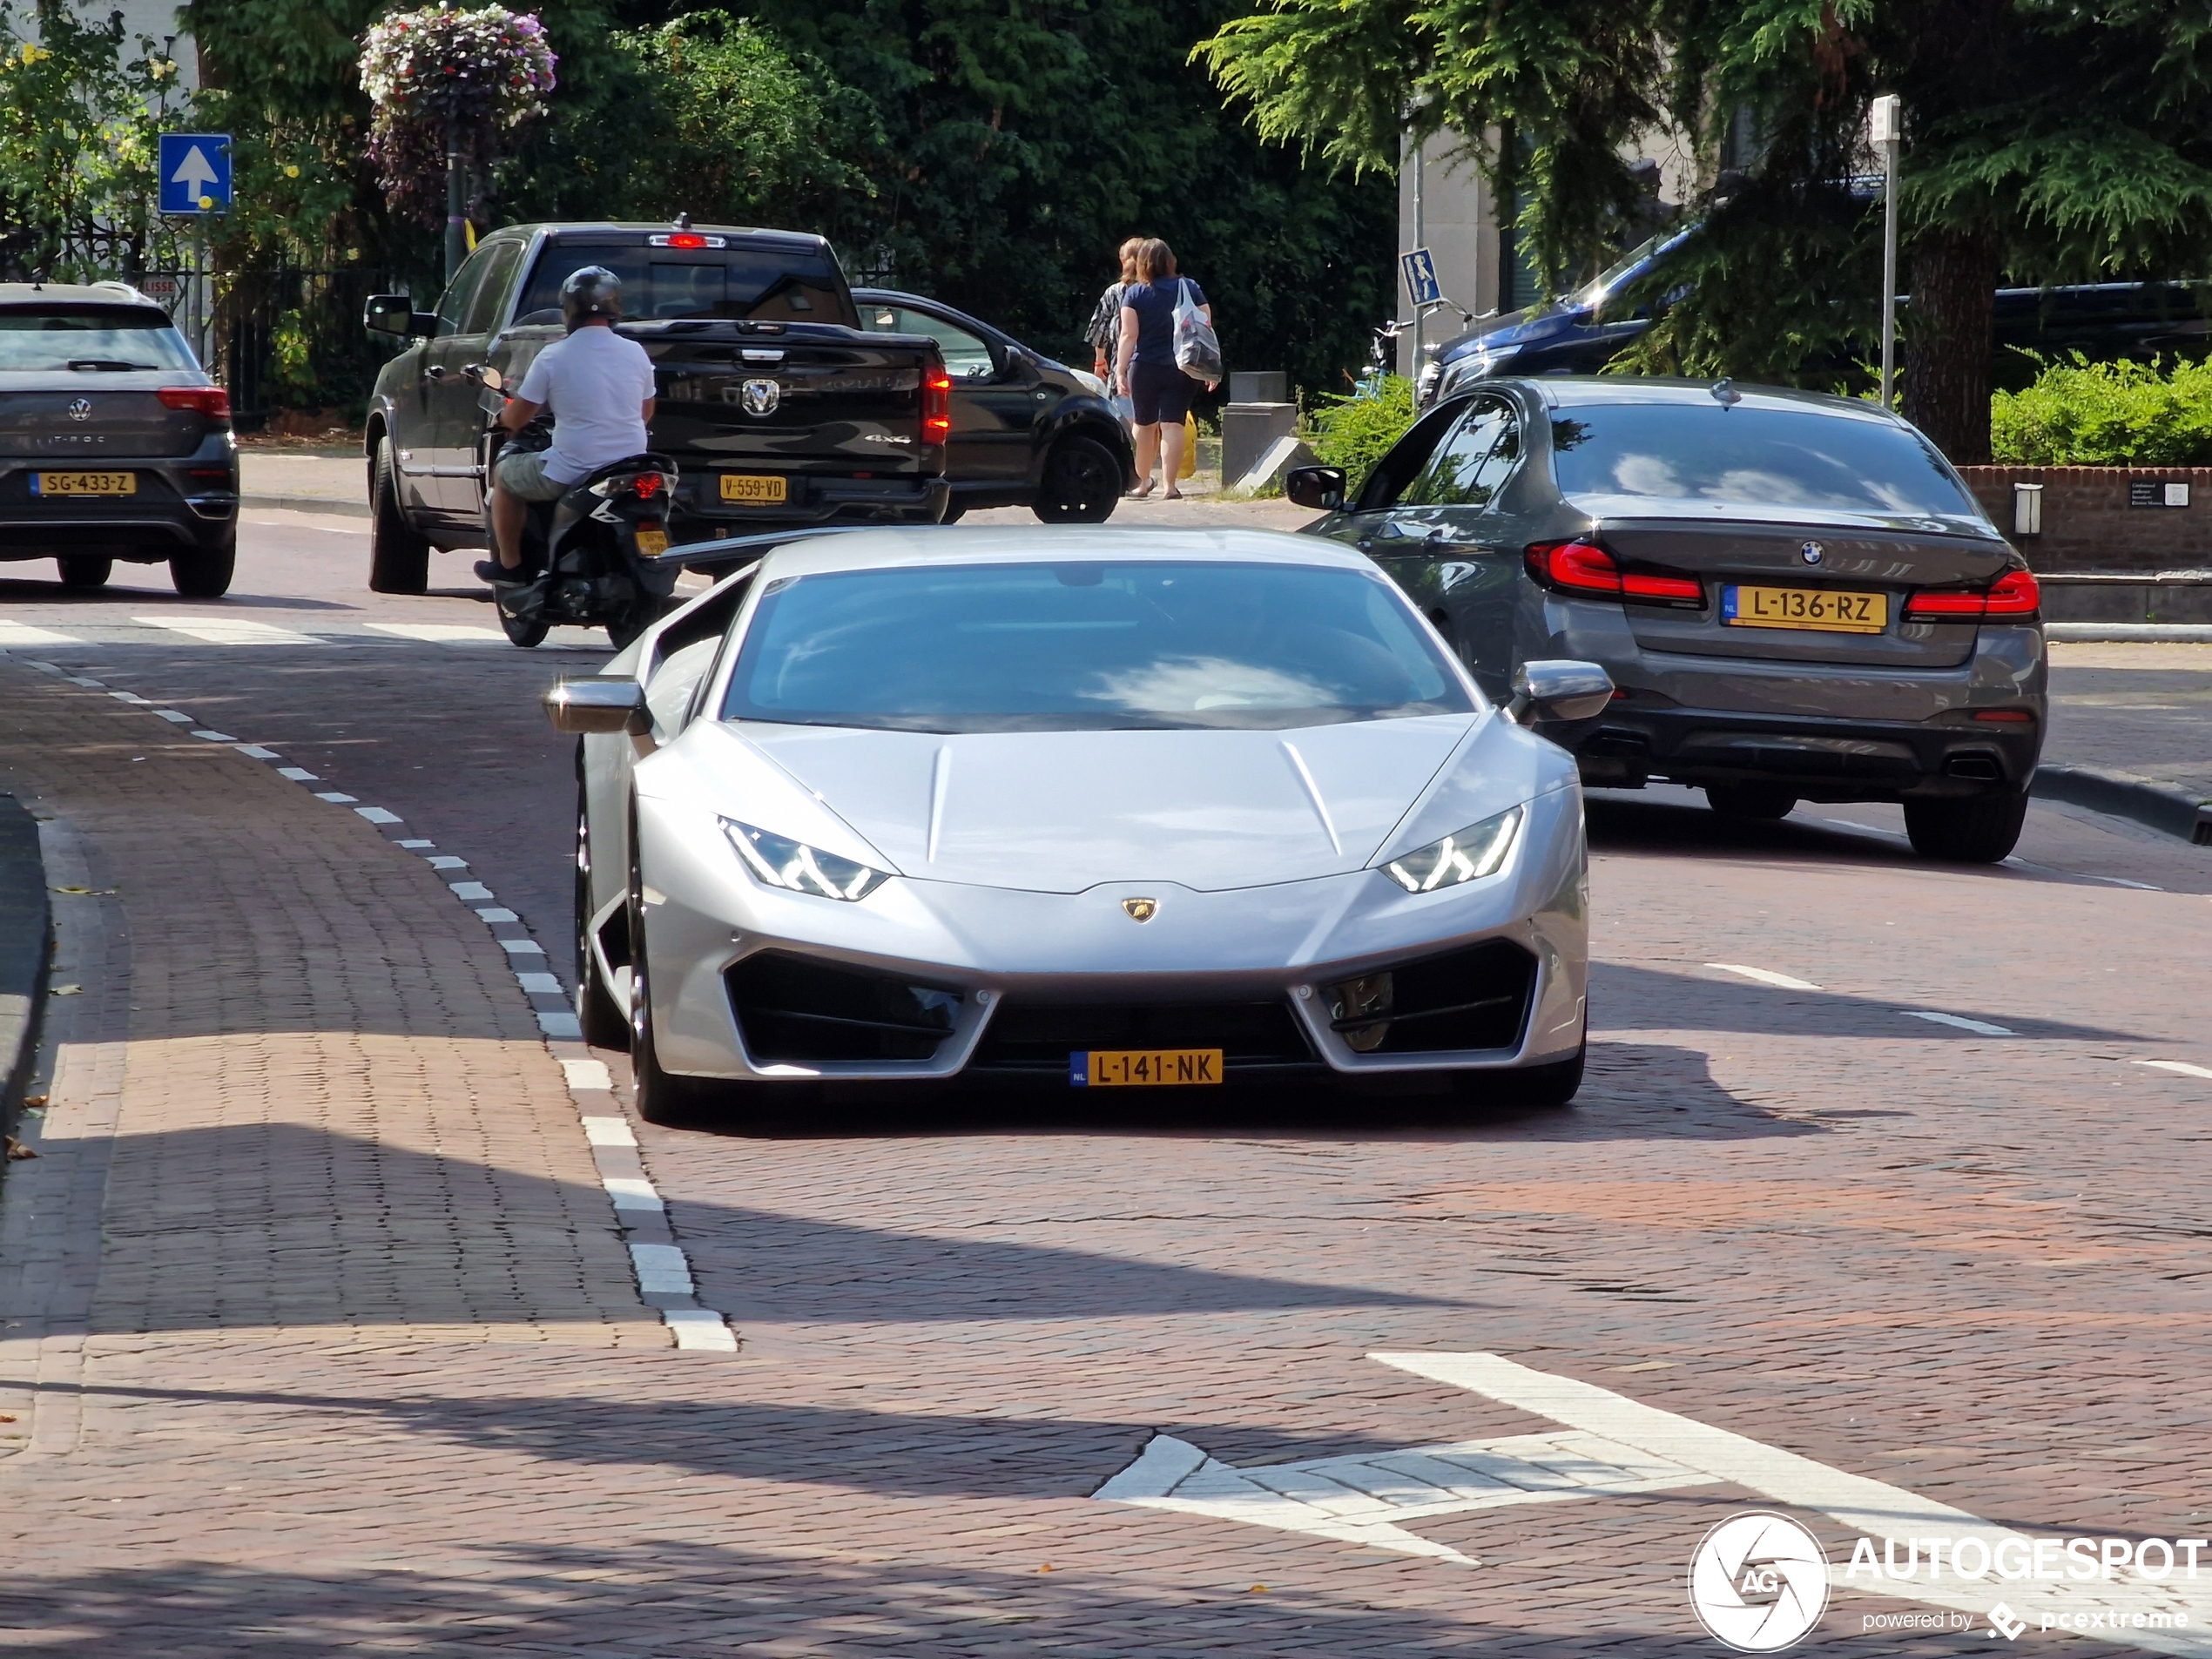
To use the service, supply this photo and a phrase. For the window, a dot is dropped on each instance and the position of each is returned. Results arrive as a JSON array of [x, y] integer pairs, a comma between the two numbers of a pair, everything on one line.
[[1465, 469], [966, 358], [768, 283], [90, 339], [1044, 647], [453, 303], [491, 294], [1754, 456]]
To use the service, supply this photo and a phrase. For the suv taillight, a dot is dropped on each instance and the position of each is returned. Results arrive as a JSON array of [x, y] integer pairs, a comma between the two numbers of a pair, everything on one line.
[[2016, 595], [210, 400], [1586, 568], [936, 406]]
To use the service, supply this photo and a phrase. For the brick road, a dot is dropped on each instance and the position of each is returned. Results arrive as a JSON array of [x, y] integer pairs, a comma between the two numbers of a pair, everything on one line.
[[335, 1347]]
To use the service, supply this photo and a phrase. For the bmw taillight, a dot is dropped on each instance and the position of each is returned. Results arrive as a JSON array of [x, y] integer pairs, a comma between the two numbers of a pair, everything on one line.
[[936, 406], [1586, 568], [210, 400], [2014, 596]]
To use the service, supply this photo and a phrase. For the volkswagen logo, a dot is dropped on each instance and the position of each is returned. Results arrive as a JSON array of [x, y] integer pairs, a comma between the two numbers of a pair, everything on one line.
[[81, 409], [760, 397], [1810, 552], [1140, 909]]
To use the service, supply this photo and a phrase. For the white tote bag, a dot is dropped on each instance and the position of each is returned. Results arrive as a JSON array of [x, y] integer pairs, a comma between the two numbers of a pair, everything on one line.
[[1198, 351]]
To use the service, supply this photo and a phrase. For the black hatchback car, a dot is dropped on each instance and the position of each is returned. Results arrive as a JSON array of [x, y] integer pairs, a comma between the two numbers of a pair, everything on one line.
[[1026, 431], [1796, 597], [114, 444]]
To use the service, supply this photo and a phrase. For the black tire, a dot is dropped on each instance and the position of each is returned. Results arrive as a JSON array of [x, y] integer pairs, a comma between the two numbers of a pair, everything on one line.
[[606, 1025], [662, 1097], [525, 634], [205, 573], [640, 617], [1083, 483], [1553, 1085], [85, 570], [1759, 803], [1983, 830], [399, 559]]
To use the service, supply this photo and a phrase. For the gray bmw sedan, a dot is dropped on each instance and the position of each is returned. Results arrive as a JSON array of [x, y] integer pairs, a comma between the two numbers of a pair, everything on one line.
[[1795, 596]]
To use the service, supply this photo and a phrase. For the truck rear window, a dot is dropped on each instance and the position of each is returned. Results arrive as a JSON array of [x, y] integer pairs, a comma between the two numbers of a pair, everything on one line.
[[773, 286]]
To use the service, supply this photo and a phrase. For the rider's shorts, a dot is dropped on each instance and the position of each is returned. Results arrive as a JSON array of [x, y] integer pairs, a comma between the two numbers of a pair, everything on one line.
[[523, 473]]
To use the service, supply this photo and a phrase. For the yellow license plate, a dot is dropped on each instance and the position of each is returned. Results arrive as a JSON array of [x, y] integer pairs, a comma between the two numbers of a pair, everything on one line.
[[1827, 610], [754, 489], [1143, 1067], [652, 543], [85, 483]]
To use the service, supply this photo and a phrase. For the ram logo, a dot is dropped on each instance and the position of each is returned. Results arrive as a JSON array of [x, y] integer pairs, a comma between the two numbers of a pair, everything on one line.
[[760, 397]]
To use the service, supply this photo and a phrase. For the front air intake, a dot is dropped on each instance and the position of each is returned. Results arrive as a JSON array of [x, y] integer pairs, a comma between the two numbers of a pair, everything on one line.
[[1473, 999], [793, 1010]]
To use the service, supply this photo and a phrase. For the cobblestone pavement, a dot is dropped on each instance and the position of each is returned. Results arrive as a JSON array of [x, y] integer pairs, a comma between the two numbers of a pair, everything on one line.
[[319, 1335]]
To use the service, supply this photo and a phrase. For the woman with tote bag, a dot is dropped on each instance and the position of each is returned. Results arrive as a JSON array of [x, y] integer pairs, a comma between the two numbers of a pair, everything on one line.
[[1165, 319]]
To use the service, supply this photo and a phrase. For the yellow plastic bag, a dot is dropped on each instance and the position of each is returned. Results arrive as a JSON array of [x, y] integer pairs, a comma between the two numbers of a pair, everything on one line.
[[1190, 467]]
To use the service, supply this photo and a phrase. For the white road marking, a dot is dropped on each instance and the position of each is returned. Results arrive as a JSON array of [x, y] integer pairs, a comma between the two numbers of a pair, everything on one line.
[[662, 1270], [1361, 1500], [1982, 1027], [2181, 1066], [699, 1328], [216, 737], [497, 913], [631, 1192], [603, 1131], [440, 633], [469, 890], [593, 1074], [21, 633], [522, 948], [2123, 881], [337, 798], [255, 752], [132, 697], [1766, 977], [414, 846], [539, 984], [76, 680], [565, 1028], [229, 631], [173, 716], [1872, 1507], [379, 815], [445, 860], [298, 774]]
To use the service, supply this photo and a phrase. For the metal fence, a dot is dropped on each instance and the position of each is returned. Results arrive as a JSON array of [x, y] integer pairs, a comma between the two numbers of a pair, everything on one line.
[[294, 340]]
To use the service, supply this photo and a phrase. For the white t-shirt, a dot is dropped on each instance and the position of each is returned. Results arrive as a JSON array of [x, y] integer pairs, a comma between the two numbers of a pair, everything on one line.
[[596, 383]]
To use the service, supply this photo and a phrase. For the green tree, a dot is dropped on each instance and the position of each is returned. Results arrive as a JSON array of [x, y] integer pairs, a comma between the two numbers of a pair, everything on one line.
[[2051, 141]]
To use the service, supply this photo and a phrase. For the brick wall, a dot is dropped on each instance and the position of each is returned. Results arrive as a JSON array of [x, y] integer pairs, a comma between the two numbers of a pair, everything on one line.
[[2088, 526]]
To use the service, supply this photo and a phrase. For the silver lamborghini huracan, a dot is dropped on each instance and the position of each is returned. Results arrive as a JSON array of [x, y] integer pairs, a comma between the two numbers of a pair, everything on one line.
[[1097, 809]]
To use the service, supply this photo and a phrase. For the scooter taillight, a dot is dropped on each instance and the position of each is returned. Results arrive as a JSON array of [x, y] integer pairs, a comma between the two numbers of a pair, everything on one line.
[[649, 485]]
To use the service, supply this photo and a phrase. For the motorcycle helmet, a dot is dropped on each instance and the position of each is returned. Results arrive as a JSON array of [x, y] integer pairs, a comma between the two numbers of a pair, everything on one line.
[[592, 292]]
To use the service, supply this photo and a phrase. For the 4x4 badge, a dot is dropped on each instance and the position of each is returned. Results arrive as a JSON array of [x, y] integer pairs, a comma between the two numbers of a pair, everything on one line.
[[760, 397]]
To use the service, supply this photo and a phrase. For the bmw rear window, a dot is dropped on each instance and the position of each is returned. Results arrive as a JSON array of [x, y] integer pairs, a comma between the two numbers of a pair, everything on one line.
[[1749, 456], [1049, 647], [90, 339], [772, 285]]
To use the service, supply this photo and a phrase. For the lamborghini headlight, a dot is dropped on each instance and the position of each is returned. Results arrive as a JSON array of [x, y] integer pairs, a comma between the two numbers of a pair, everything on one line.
[[778, 862], [1477, 851]]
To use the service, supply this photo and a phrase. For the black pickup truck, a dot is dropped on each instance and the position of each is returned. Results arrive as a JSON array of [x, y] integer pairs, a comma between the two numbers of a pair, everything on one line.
[[776, 407]]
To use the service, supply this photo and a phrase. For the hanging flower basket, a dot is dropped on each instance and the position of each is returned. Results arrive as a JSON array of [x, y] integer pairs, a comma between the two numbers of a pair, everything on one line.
[[441, 77]]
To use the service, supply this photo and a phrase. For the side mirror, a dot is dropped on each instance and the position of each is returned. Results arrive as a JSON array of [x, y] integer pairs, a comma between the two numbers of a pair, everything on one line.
[[610, 702], [486, 376], [395, 314], [1554, 693], [1321, 488]]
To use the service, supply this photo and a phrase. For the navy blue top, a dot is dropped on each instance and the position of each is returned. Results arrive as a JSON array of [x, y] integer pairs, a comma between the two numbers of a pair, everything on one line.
[[1153, 304]]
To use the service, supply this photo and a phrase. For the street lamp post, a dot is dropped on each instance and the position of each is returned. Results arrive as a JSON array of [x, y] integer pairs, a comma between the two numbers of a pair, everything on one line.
[[1885, 129], [456, 201]]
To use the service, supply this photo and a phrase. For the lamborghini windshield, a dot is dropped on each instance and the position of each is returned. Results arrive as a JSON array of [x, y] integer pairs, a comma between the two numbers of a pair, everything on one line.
[[1146, 644]]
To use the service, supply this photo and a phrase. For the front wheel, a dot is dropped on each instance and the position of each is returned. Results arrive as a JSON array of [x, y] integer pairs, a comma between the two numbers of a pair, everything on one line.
[[604, 1024], [1083, 483], [1556, 1084], [525, 634], [205, 573], [1983, 830], [85, 569], [662, 1097]]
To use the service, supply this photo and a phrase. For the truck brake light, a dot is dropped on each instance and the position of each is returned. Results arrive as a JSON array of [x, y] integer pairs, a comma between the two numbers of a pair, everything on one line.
[[937, 405]]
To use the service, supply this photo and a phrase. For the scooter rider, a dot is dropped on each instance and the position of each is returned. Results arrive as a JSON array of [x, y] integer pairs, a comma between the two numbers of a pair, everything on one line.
[[600, 388]]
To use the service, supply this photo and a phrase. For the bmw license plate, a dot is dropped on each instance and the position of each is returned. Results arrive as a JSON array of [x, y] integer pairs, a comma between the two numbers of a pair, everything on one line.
[[85, 483], [1822, 610], [1143, 1067], [755, 489]]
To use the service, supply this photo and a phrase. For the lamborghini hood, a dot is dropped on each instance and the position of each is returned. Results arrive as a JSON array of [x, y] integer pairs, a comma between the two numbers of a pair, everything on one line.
[[1060, 812]]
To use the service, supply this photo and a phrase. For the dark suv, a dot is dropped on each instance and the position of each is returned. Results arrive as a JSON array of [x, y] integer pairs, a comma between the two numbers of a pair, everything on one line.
[[114, 444]]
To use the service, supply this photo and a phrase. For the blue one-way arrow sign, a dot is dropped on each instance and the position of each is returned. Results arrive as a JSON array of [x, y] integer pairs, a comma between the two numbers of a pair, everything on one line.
[[195, 173]]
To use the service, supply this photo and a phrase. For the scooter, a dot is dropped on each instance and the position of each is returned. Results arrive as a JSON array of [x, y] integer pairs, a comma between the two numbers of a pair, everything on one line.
[[591, 559]]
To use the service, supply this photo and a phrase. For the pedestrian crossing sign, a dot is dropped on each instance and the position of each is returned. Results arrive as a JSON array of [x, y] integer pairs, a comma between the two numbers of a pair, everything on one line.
[[195, 171]]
